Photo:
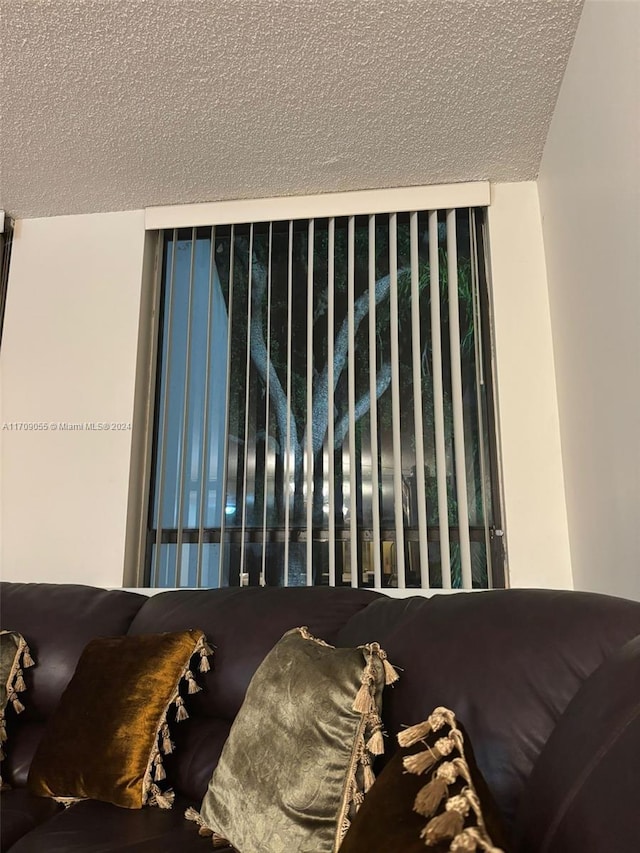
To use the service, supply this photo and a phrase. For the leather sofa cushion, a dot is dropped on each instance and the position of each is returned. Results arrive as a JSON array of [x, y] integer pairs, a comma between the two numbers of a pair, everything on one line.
[[583, 792], [57, 621], [244, 624], [25, 738], [198, 747], [92, 827], [508, 661], [22, 812]]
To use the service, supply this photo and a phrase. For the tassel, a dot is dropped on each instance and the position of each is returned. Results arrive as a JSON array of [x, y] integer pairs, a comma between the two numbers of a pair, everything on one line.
[[442, 828], [433, 723], [465, 842], [167, 743], [357, 800], [3, 730], [27, 660], [390, 674], [18, 707], [158, 768], [204, 830], [447, 825], [363, 703], [375, 744], [449, 771], [420, 762], [193, 687], [204, 661], [219, 841], [369, 778], [181, 712], [18, 684], [429, 798], [407, 737], [163, 800]]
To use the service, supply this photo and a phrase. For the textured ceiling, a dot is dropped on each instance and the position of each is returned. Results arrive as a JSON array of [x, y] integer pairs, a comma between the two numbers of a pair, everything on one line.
[[119, 104]]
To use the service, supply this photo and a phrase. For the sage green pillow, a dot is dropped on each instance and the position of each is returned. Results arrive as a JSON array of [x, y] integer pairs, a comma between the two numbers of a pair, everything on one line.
[[297, 762], [14, 656]]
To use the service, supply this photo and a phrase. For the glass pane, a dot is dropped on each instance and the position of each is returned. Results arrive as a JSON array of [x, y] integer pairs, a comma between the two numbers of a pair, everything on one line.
[[233, 373]]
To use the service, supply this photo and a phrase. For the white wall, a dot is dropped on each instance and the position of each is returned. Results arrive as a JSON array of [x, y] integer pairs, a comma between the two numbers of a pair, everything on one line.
[[69, 355], [534, 500], [589, 188]]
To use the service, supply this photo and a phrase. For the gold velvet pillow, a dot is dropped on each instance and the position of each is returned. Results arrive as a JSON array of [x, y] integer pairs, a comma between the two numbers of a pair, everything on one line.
[[107, 735], [430, 797], [14, 656], [297, 761]]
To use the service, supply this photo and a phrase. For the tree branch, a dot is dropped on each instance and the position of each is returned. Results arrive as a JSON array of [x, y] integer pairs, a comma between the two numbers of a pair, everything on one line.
[[340, 354], [264, 365], [363, 404]]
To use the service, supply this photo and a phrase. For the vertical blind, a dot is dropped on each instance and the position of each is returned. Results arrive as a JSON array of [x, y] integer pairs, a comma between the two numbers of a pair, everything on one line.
[[323, 409]]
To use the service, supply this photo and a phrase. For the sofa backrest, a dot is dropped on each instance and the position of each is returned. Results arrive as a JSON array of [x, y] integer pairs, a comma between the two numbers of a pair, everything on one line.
[[57, 621], [508, 662], [583, 792]]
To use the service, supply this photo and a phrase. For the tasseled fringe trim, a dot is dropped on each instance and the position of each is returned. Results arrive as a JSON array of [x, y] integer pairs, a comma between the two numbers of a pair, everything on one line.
[[369, 778], [18, 683], [420, 762], [163, 745], [193, 686], [155, 771], [307, 635], [181, 711], [375, 744], [448, 826], [217, 840], [434, 722], [364, 702], [158, 768], [166, 744], [162, 799], [470, 840], [18, 707], [344, 828], [15, 682], [67, 802]]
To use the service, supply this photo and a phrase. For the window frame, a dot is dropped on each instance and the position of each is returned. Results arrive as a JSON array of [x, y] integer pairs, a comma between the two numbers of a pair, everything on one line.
[[158, 219]]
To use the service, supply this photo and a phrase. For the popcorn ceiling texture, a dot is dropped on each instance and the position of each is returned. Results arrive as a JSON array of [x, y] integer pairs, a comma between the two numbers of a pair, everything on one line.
[[121, 104]]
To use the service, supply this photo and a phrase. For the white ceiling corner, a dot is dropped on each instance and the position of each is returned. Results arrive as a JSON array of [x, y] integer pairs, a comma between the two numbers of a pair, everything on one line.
[[121, 104]]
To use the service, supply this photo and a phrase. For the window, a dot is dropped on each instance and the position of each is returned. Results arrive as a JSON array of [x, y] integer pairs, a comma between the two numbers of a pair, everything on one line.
[[323, 405]]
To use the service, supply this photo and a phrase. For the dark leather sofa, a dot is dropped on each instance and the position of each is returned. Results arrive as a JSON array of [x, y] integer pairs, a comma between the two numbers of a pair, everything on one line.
[[546, 683]]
